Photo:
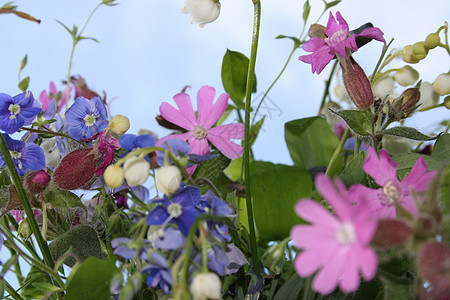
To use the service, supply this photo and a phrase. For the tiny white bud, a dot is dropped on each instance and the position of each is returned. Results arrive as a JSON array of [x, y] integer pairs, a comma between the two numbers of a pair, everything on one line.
[[442, 84], [206, 286], [136, 170], [119, 124], [428, 97], [202, 11], [406, 76], [168, 179], [113, 176], [383, 87]]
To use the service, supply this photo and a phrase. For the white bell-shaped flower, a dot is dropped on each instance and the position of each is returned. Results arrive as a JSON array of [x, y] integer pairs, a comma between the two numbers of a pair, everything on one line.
[[168, 179], [406, 76], [113, 176], [428, 97], [136, 170], [202, 11], [206, 286], [442, 84]]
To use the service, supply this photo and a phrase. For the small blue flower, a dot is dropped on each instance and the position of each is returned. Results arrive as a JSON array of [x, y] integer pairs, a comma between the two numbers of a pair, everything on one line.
[[181, 148], [17, 111], [26, 156], [86, 117], [126, 248], [217, 207], [159, 273], [130, 142]]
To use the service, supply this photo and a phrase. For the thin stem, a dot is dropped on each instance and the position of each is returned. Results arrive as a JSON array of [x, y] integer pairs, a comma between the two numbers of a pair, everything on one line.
[[357, 145], [326, 92], [248, 102], [12, 292], [337, 152]]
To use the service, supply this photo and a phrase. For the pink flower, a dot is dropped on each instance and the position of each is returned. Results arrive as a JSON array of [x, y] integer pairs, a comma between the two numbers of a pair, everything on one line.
[[384, 171], [336, 42], [200, 129], [337, 246], [60, 99]]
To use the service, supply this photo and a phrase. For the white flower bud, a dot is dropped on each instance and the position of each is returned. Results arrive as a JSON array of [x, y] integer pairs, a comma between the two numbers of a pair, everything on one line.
[[119, 124], [442, 84], [51, 152], [408, 56], [113, 176], [206, 286], [428, 97], [383, 87], [168, 179], [136, 170], [202, 11], [406, 76]]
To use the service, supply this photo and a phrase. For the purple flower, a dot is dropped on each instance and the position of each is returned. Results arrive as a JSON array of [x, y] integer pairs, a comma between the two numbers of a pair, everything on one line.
[[170, 239], [338, 247], [131, 142], [26, 156], [336, 43], [392, 191], [200, 129], [217, 207], [17, 111], [86, 117], [180, 209], [159, 273], [126, 248]]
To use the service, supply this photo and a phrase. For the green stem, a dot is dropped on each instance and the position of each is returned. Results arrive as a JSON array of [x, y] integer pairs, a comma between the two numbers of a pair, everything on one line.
[[12, 292], [43, 246], [337, 152], [357, 145], [326, 92], [248, 102]]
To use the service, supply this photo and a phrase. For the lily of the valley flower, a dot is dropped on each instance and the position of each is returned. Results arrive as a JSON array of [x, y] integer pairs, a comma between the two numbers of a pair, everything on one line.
[[168, 179], [206, 286], [202, 11], [136, 170]]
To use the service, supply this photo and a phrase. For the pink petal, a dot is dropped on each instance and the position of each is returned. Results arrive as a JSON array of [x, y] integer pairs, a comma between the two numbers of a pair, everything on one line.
[[382, 169], [200, 147], [350, 277], [309, 261], [342, 23], [332, 26], [407, 202], [320, 59], [44, 99], [373, 33], [327, 278], [367, 260], [185, 117], [181, 136], [220, 137], [331, 194], [313, 212], [52, 89], [208, 114], [419, 179], [313, 44], [307, 236]]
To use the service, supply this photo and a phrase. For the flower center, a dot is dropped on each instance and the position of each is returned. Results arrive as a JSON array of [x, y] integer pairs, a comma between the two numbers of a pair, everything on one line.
[[391, 192], [336, 38], [90, 120], [14, 109], [175, 210], [17, 155], [345, 234], [199, 132]]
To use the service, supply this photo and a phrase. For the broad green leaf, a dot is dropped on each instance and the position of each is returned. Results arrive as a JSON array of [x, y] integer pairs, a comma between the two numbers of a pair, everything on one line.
[[444, 191], [91, 280], [64, 200], [81, 240], [234, 76], [275, 190], [233, 171], [310, 142], [306, 10], [291, 289], [441, 150], [23, 63], [358, 120], [296, 41], [353, 172], [23, 84], [407, 132], [407, 160]]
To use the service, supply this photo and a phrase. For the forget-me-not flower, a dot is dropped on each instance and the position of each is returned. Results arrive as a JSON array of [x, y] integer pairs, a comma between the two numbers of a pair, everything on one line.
[[17, 111]]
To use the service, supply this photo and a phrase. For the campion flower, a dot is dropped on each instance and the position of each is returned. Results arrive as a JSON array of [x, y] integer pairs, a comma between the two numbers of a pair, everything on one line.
[[337, 246], [200, 129], [53, 93], [17, 111], [86, 117], [26, 156], [392, 192], [81, 88], [338, 39]]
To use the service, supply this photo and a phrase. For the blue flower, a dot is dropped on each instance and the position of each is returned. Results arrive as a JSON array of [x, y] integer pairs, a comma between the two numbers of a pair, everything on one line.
[[126, 248], [182, 209], [159, 273], [17, 111], [130, 142], [217, 207], [26, 156], [180, 148], [86, 117]]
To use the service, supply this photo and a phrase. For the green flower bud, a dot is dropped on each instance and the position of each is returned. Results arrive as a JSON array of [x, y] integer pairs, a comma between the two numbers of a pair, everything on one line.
[[447, 102], [408, 56], [432, 40], [24, 229], [419, 50]]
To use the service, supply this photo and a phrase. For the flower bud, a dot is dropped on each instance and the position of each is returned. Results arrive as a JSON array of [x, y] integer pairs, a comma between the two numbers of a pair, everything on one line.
[[442, 84], [447, 102], [419, 50], [206, 286], [408, 56], [136, 171], [428, 96], [75, 169], [36, 181], [391, 232], [317, 30], [114, 176], [202, 11], [356, 83], [24, 229], [168, 179], [406, 76], [383, 87], [432, 40], [407, 101], [119, 124], [52, 154]]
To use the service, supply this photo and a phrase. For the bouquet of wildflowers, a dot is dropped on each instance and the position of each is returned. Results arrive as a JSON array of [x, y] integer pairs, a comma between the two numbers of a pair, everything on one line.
[[95, 212]]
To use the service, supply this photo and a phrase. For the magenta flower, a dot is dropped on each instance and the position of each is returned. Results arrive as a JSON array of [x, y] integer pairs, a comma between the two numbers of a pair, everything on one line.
[[53, 93], [383, 170], [200, 129], [336, 42], [337, 246]]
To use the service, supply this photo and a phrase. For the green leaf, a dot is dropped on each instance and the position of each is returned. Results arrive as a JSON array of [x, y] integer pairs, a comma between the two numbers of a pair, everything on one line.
[[397, 289], [9, 5], [310, 142], [71, 32], [359, 121], [91, 280], [353, 172], [306, 10], [23, 85], [87, 38], [331, 4], [23, 62], [408, 132], [233, 171], [444, 191], [407, 160], [35, 279], [81, 240], [234, 76], [275, 190], [296, 41], [291, 289], [254, 130], [63, 200], [441, 149]]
